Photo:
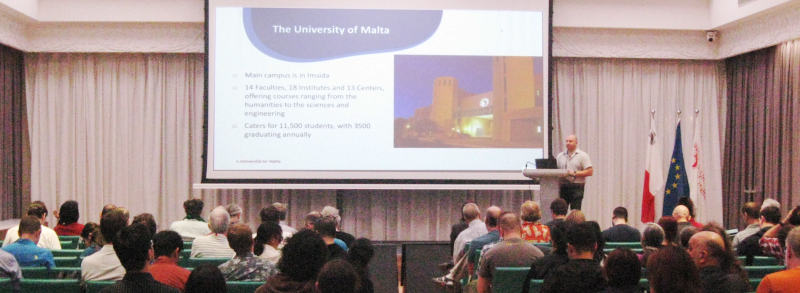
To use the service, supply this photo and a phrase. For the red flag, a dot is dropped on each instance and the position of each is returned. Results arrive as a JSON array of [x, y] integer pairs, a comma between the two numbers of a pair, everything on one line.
[[653, 176]]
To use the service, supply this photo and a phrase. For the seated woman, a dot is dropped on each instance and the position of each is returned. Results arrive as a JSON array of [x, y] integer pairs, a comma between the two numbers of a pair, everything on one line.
[[68, 220], [532, 230]]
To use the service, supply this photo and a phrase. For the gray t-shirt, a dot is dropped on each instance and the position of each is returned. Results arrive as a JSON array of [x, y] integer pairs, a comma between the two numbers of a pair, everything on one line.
[[577, 161], [508, 253]]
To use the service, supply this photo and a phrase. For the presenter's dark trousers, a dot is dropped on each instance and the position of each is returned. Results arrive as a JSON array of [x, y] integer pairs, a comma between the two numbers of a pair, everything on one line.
[[573, 194]]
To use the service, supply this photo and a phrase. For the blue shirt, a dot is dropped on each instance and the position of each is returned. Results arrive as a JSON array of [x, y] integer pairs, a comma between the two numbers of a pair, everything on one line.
[[340, 243], [480, 242], [29, 255]]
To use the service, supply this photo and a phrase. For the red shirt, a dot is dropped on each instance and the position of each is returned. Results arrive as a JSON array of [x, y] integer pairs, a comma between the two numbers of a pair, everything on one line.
[[167, 271], [535, 232], [73, 229]]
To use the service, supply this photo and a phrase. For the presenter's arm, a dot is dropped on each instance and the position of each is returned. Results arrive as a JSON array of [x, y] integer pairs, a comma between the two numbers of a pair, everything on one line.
[[583, 173]]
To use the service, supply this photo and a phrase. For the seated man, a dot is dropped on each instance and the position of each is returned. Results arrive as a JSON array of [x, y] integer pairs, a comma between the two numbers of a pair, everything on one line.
[[559, 210], [681, 215], [9, 268], [25, 250], [326, 228], [48, 239], [104, 264], [785, 281], [193, 225], [581, 273], [512, 251], [718, 269], [245, 266], [329, 211], [750, 213], [216, 243], [133, 246], [621, 231], [282, 213], [167, 246]]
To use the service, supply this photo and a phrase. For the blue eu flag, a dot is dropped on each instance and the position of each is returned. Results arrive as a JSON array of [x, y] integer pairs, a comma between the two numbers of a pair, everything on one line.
[[677, 181]]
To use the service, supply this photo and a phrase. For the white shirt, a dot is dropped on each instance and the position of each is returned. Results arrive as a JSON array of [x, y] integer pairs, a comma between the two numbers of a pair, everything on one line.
[[48, 239], [102, 265], [476, 229], [271, 254], [213, 245], [577, 161], [190, 229]]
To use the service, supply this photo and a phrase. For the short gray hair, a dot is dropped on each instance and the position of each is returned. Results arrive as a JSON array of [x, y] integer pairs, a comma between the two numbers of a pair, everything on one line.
[[219, 220], [329, 211], [793, 241]]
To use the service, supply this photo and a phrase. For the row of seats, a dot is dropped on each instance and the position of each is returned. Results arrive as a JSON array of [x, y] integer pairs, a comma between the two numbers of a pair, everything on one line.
[[75, 242], [67, 286], [187, 262]]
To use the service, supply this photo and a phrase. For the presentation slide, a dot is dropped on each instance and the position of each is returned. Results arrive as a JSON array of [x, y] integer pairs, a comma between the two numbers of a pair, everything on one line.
[[331, 93]]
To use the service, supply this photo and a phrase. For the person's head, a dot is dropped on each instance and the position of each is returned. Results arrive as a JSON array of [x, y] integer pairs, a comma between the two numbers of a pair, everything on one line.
[[240, 239], [581, 240], [559, 207], [620, 215], [235, 211], [751, 211], [470, 212], [219, 220], [558, 238], [303, 256], [193, 208], [206, 278], [37, 210], [770, 215], [681, 214], [717, 228], [326, 227], [91, 234], [706, 248], [770, 203], [167, 243], [282, 209], [575, 217], [529, 212], [147, 220], [670, 226], [311, 218], [794, 216], [111, 223], [492, 215], [571, 142], [268, 233], [792, 256], [688, 203], [686, 234], [622, 268], [329, 211], [30, 228], [509, 226], [671, 269], [270, 214], [68, 213], [652, 235], [360, 253], [107, 208], [133, 247], [337, 276]]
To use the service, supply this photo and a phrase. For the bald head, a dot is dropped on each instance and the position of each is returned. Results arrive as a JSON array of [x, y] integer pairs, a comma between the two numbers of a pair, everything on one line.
[[681, 213], [571, 142], [509, 225], [470, 212], [492, 215], [705, 248], [793, 248]]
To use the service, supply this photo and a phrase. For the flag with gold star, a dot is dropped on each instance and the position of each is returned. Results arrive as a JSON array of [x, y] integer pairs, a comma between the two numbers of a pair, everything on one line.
[[677, 181]]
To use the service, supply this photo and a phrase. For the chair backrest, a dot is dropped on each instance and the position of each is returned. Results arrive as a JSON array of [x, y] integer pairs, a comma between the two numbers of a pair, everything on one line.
[[67, 261], [53, 273], [509, 279], [74, 241], [635, 250], [67, 252], [96, 286], [49, 285], [186, 253], [187, 245], [754, 282], [242, 287], [630, 245], [536, 286], [760, 261], [194, 262], [761, 271]]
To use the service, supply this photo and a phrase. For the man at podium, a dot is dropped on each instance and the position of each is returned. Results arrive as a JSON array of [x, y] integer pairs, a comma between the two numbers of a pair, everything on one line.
[[578, 166]]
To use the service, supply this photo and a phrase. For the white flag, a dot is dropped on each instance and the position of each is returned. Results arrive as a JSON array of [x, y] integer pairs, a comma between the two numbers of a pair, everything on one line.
[[697, 180]]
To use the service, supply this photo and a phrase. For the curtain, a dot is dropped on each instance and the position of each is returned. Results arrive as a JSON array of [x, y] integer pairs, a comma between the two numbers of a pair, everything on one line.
[[607, 102], [762, 137], [14, 148]]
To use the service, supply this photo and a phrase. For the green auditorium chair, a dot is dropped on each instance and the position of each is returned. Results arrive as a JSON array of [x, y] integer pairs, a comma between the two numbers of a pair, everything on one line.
[[185, 253], [509, 279], [69, 242], [194, 262], [54, 273], [635, 250], [67, 261], [761, 271], [644, 284], [754, 283], [242, 287], [536, 286], [631, 245], [67, 252], [50, 285], [760, 261], [187, 245], [96, 286]]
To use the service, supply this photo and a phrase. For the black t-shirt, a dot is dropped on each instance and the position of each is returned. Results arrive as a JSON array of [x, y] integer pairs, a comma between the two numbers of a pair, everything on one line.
[[622, 233], [542, 268], [577, 275], [715, 280], [346, 237], [334, 251]]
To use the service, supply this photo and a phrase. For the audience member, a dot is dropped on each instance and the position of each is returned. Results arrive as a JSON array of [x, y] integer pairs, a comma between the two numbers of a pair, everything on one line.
[[670, 226], [107, 208], [685, 235], [532, 230], [268, 237], [148, 221], [770, 203], [575, 217], [329, 211], [558, 208], [621, 231], [9, 269], [750, 213], [25, 250], [652, 241], [681, 215], [283, 211], [457, 228], [235, 211], [749, 246], [245, 266], [671, 269], [623, 270], [67, 217], [476, 228], [599, 252], [770, 242], [359, 256], [543, 267], [134, 247], [216, 243], [689, 204], [48, 238], [311, 218], [581, 273], [326, 228], [167, 247], [303, 256], [513, 251], [717, 267], [104, 264], [461, 267], [193, 225], [271, 214], [785, 281], [337, 276], [204, 279], [92, 239]]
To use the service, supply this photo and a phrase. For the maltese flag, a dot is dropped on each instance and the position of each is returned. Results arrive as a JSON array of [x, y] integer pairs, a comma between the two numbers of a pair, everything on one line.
[[653, 176], [698, 178]]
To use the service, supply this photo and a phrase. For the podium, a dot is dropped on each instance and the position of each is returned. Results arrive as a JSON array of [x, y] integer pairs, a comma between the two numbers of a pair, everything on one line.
[[548, 188]]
